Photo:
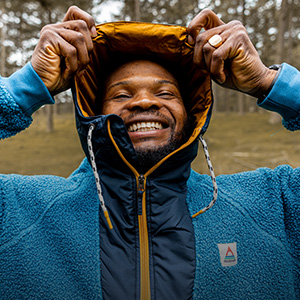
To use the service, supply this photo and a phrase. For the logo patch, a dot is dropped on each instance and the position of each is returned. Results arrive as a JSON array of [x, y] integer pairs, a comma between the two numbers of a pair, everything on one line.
[[228, 254]]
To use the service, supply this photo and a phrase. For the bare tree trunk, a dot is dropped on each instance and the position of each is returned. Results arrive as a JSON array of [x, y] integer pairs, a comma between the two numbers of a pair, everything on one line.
[[289, 57], [282, 27], [137, 10], [3, 50], [241, 105], [49, 115], [215, 93], [226, 96], [282, 24], [49, 108]]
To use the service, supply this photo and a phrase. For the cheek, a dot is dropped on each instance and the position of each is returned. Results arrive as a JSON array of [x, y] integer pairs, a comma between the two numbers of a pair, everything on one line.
[[109, 107], [180, 116]]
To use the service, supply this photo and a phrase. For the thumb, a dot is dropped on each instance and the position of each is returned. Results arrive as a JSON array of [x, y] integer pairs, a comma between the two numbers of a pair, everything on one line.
[[75, 13], [206, 19]]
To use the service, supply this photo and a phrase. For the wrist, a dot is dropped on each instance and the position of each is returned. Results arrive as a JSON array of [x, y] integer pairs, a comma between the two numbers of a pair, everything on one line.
[[27, 89], [270, 77], [284, 95]]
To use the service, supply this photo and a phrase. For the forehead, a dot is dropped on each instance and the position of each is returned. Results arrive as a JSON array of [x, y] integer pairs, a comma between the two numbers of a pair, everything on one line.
[[140, 68]]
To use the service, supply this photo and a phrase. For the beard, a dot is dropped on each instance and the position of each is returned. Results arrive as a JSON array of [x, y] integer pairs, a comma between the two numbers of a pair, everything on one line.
[[147, 158]]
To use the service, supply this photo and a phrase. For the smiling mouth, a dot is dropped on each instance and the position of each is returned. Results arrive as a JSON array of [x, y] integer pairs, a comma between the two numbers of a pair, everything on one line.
[[145, 126]]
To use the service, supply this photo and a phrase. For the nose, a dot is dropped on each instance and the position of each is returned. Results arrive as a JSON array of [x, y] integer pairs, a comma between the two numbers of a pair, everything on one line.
[[144, 102]]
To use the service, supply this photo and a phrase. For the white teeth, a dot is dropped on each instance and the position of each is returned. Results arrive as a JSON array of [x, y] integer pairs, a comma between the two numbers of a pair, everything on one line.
[[145, 126]]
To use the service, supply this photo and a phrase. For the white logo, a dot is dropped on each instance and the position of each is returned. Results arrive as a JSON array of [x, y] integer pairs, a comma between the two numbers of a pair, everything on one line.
[[228, 254]]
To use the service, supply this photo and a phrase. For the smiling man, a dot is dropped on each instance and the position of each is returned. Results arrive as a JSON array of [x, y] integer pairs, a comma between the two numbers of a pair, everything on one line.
[[131, 222], [148, 98]]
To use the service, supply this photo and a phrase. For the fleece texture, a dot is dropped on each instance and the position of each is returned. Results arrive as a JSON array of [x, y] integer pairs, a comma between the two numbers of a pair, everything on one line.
[[259, 212], [247, 245], [21, 95], [49, 237], [283, 99], [13, 119]]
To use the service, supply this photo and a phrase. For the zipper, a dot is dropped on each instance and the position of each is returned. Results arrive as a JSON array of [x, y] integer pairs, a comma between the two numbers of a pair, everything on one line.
[[140, 193], [145, 293]]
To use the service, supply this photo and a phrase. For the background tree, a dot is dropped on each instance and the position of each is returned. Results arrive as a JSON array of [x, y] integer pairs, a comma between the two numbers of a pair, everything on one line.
[[22, 22], [273, 26], [162, 11]]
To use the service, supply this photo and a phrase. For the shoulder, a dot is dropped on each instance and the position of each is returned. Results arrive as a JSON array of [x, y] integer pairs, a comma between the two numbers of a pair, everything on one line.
[[33, 194], [29, 201], [260, 176], [247, 188]]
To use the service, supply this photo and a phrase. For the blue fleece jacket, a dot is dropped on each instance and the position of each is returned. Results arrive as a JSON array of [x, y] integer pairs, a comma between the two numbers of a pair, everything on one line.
[[247, 245]]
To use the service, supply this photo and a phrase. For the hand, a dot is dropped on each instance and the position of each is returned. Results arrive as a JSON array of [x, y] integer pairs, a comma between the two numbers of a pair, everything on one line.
[[235, 64], [63, 49]]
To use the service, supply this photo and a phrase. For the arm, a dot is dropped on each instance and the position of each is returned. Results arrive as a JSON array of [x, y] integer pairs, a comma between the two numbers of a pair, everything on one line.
[[20, 95], [284, 97], [235, 64], [62, 51]]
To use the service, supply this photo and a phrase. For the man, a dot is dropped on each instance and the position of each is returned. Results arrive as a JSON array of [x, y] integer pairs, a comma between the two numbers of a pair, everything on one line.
[[135, 100]]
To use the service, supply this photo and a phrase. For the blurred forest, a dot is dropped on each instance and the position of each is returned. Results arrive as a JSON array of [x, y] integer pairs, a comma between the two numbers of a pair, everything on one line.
[[273, 26]]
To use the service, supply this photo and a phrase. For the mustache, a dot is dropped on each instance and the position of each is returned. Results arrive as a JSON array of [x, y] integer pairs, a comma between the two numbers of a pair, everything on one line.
[[147, 113]]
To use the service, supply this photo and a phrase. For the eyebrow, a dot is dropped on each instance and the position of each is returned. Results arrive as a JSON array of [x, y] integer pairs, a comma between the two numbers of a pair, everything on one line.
[[117, 84], [168, 81], [125, 82]]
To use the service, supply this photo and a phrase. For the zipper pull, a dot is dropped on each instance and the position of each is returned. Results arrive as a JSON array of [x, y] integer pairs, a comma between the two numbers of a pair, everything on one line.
[[140, 192], [141, 181]]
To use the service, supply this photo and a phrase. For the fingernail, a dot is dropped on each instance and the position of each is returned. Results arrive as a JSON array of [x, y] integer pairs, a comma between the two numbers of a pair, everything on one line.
[[191, 40], [221, 78], [94, 31], [80, 73]]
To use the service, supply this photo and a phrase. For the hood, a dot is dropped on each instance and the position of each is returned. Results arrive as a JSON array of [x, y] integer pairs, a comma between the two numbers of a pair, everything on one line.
[[122, 41], [118, 42], [133, 40]]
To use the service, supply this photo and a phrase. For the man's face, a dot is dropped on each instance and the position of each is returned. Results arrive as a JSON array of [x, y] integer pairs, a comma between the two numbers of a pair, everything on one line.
[[146, 96]]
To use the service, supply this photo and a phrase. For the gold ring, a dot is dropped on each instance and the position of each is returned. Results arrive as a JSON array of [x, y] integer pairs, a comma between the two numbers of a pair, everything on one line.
[[215, 41]]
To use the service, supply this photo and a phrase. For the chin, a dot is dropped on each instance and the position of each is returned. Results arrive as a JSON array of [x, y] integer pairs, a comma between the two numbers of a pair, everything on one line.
[[149, 146]]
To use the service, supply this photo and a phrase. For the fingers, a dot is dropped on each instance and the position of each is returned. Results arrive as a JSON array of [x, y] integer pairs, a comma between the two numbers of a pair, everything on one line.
[[205, 19], [69, 45], [215, 59], [236, 49], [62, 51], [235, 42], [75, 13], [233, 62], [55, 60], [76, 34], [201, 41]]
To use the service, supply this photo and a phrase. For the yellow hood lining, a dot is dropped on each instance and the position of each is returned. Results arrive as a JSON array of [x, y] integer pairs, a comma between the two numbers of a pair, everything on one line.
[[167, 43]]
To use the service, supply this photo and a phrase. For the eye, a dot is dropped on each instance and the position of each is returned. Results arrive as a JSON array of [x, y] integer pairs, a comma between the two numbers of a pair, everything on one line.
[[165, 95], [122, 96]]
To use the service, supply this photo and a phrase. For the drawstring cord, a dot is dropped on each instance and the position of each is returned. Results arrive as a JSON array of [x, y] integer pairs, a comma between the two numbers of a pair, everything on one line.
[[213, 178], [96, 175], [99, 191]]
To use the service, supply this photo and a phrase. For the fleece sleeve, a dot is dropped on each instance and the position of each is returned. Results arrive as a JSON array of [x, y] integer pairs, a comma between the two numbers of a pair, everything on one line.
[[20, 95], [284, 97]]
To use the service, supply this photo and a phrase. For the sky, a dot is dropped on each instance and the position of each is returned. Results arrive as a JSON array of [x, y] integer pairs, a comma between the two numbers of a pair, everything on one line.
[[104, 12]]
